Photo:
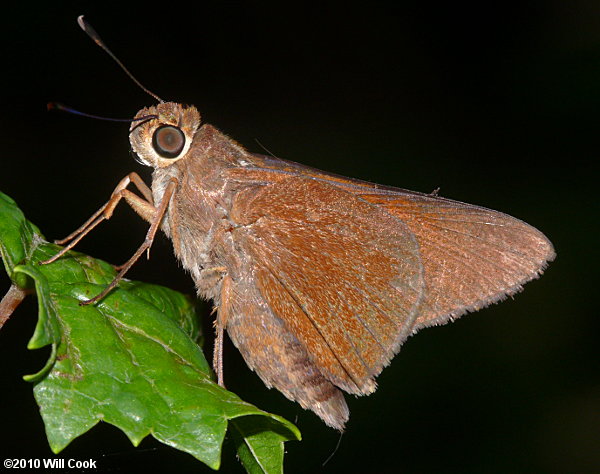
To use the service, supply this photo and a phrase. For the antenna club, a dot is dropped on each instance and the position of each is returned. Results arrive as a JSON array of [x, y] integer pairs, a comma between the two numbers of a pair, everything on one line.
[[57, 106], [86, 27]]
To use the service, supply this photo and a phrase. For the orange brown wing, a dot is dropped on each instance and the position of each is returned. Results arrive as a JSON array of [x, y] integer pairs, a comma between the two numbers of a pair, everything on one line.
[[472, 256], [281, 361], [343, 275]]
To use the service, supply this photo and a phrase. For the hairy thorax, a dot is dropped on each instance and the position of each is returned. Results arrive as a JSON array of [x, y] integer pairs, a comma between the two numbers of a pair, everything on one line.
[[197, 221]]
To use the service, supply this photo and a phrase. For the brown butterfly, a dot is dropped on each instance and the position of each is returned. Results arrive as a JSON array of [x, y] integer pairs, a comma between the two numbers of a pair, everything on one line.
[[318, 279]]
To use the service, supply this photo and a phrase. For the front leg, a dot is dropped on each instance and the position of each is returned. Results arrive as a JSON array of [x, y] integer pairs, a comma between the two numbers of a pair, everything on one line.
[[143, 207]]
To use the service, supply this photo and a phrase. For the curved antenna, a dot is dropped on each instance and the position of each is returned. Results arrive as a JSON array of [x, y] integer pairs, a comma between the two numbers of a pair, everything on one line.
[[85, 26]]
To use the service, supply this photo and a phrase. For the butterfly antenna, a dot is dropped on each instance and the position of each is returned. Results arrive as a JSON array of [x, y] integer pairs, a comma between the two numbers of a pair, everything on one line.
[[64, 108], [85, 26]]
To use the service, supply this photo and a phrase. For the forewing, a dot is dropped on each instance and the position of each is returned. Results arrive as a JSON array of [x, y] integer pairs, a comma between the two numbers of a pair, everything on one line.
[[342, 274], [472, 256]]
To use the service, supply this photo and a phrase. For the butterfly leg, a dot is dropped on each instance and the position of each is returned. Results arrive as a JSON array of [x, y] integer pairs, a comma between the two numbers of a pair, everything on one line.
[[220, 323], [157, 216], [144, 207]]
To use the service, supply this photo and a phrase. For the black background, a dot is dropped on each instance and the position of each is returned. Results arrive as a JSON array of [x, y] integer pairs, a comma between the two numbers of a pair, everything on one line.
[[497, 105]]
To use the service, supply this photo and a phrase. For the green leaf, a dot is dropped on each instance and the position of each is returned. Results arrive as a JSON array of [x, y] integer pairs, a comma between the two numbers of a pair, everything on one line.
[[18, 238], [259, 443], [130, 360]]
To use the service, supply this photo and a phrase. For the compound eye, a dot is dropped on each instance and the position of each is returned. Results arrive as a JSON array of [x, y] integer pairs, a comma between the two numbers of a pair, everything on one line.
[[168, 141]]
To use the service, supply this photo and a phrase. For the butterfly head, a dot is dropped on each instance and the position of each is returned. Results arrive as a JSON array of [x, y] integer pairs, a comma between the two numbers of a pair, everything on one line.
[[162, 134]]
